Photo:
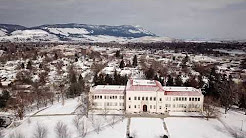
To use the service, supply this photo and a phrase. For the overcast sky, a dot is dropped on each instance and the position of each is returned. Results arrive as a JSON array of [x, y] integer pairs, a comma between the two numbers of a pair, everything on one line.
[[184, 19]]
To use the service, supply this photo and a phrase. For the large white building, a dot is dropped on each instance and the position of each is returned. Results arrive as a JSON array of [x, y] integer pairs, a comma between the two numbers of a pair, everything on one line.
[[146, 96]]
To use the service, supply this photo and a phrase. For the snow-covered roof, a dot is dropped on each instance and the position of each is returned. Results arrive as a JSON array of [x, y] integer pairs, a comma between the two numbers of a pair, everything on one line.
[[108, 89], [144, 85], [182, 91], [144, 82]]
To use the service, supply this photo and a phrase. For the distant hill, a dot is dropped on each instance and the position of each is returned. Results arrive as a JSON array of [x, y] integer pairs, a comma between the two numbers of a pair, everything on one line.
[[77, 32]]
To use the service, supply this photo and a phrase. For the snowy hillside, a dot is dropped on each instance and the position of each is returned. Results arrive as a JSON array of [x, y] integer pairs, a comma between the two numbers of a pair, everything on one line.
[[78, 32], [3, 32], [29, 35]]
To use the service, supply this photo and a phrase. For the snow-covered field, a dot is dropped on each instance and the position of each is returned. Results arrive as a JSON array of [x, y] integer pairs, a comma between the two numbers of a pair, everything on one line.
[[118, 131], [59, 113], [196, 128], [234, 120], [147, 127], [69, 107], [178, 127]]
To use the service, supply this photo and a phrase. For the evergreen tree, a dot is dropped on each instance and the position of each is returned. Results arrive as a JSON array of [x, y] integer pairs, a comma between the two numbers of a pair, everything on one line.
[[101, 79], [213, 79], [184, 61], [116, 78], [108, 79], [76, 59], [135, 61], [22, 65], [226, 89], [242, 96], [243, 64], [150, 73], [122, 64], [200, 81], [29, 65], [4, 97], [95, 79], [191, 82], [156, 78], [74, 87], [56, 56], [178, 81], [81, 83], [73, 78], [117, 54], [170, 81]]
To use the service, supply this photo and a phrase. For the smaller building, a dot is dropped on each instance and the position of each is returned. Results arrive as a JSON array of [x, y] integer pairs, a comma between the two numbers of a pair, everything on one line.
[[110, 97]]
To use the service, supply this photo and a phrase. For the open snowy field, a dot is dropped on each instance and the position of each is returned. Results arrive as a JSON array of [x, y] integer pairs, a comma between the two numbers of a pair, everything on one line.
[[235, 121], [195, 128], [69, 107], [147, 127], [178, 127], [28, 127]]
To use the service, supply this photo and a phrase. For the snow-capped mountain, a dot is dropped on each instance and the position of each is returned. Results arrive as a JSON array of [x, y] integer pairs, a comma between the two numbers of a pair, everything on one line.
[[78, 32]]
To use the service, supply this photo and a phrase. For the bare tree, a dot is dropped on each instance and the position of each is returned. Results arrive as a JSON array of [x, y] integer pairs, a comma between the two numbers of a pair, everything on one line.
[[97, 67], [97, 125], [62, 130], [76, 122], [40, 132], [105, 111], [210, 107], [59, 66], [83, 128], [113, 120], [19, 104]]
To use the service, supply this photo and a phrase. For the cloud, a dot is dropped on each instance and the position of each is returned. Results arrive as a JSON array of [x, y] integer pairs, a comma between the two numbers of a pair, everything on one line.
[[175, 18]]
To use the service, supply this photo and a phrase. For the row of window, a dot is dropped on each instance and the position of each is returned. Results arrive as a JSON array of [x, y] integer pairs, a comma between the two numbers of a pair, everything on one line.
[[169, 106], [185, 99], [107, 97], [107, 104], [135, 106], [144, 98], [167, 98]]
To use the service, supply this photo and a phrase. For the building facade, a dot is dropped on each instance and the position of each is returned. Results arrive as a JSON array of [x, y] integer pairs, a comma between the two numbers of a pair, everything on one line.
[[146, 96]]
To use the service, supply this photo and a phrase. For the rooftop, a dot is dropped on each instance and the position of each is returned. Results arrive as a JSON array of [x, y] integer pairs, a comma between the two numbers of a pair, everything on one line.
[[144, 85], [108, 89], [182, 91]]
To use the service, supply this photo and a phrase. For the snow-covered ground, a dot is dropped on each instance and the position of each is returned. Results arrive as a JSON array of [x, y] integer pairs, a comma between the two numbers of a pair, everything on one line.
[[117, 131], [59, 113], [29, 126], [147, 128], [69, 107], [196, 128], [178, 127], [234, 120]]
